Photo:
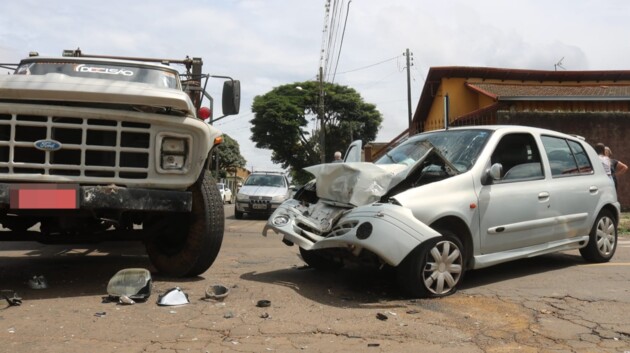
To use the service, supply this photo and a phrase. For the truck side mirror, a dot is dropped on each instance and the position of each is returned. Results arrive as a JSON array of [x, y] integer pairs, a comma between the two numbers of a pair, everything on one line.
[[231, 101]]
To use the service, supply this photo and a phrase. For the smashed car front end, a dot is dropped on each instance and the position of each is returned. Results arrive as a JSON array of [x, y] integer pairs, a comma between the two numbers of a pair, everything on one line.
[[387, 230], [349, 215]]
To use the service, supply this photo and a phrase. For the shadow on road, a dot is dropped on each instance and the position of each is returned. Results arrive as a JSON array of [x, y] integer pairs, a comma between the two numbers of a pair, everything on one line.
[[370, 287], [72, 270]]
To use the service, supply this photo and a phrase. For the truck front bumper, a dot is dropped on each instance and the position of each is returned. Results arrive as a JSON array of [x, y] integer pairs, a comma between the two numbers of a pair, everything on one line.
[[109, 197]]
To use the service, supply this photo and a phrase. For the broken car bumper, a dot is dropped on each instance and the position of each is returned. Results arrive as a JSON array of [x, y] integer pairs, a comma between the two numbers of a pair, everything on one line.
[[389, 231]]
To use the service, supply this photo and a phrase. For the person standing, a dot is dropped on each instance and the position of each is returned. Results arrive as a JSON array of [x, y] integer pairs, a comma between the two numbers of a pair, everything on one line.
[[600, 148], [337, 157], [617, 168]]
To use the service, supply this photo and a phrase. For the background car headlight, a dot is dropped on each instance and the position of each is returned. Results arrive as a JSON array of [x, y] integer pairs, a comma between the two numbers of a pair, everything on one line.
[[279, 198], [242, 197]]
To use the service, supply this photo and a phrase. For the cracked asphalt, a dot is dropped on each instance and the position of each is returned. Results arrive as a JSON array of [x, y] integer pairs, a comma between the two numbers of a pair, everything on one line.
[[555, 303]]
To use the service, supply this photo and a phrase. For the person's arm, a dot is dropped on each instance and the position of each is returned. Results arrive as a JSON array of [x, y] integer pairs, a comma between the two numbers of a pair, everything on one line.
[[621, 168]]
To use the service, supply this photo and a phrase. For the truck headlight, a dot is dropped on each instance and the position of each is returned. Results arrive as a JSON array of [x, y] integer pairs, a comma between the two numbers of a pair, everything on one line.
[[174, 153]]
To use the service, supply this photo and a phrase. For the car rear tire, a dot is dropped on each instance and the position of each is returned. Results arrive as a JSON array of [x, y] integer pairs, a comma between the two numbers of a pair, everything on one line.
[[434, 269], [188, 245], [602, 241], [320, 260]]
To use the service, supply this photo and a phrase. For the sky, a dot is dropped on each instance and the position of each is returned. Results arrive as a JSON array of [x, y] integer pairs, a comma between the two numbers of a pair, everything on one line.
[[268, 43]]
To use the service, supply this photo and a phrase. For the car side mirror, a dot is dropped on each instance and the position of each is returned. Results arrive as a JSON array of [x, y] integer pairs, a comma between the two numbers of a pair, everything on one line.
[[492, 174]]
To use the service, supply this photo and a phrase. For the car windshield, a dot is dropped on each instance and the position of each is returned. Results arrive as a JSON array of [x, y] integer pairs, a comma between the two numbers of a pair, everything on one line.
[[109, 71], [266, 180], [460, 147]]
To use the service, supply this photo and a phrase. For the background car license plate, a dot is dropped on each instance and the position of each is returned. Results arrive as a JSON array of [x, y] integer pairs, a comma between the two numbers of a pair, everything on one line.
[[259, 206], [44, 196]]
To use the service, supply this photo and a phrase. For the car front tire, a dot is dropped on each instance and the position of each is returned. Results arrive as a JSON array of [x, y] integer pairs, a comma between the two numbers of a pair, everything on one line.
[[602, 241], [434, 269]]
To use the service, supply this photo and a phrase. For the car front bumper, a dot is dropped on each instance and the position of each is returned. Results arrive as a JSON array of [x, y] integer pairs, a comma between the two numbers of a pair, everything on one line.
[[389, 231]]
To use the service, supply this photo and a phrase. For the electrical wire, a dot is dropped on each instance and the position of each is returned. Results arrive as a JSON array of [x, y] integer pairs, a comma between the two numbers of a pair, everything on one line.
[[343, 34], [369, 66]]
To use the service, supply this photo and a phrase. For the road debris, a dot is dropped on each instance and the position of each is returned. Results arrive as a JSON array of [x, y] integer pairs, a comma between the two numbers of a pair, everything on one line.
[[133, 283], [263, 303], [100, 314], [11, 297], [381, 316], [217, 292], [38, 282], [125, 300], [174, 296]]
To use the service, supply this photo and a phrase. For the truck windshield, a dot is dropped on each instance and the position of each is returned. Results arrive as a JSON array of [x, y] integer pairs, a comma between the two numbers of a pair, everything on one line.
[[109, 71]]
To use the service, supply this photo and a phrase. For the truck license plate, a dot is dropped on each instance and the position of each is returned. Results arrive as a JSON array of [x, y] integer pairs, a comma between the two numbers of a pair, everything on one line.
[[259, 206], [44, 196]]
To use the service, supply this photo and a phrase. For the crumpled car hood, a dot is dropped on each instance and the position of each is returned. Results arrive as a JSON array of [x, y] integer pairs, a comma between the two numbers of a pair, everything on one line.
[[356, 183], [269, 191]]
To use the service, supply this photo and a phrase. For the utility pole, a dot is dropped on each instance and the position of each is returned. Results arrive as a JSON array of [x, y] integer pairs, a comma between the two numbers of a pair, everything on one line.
[[409, 63], [320, 114]]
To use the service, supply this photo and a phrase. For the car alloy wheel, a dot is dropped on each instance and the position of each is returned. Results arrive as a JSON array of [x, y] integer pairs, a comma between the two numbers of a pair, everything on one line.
[[442, 267]]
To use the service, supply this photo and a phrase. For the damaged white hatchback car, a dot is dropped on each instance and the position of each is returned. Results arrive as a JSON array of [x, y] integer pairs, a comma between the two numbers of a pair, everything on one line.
[[444, 202]]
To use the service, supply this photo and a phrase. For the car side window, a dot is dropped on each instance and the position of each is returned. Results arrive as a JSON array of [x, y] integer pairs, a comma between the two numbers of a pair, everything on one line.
[[519, 157], [566, 157]]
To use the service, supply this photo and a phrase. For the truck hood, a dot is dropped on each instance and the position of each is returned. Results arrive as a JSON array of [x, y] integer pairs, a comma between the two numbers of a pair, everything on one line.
[[260, 191], [59, 87]]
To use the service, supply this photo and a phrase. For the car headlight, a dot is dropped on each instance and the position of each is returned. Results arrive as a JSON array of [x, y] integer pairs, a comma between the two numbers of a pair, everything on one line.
[[242, 197], [279, 198]]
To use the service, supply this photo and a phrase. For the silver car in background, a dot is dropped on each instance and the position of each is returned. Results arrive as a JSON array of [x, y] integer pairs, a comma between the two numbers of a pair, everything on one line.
[[444, 202], [262, 193]]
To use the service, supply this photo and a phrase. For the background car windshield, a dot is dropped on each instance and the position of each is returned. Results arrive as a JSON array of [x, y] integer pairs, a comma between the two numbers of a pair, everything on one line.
[[109, 71], [266, 180], [460, 147]]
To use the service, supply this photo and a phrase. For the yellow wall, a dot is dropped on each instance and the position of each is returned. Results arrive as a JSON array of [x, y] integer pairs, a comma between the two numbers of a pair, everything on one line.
[[462, 101]]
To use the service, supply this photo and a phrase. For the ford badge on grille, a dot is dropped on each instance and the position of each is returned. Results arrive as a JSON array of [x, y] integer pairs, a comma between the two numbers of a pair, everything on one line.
[[48, 145]]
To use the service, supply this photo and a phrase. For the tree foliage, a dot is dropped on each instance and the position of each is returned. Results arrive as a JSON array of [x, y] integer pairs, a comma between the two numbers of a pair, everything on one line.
[[284, 115], [229, 153]]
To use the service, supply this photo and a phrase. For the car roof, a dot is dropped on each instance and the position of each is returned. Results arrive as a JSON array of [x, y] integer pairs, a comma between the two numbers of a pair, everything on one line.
[[512, 128]]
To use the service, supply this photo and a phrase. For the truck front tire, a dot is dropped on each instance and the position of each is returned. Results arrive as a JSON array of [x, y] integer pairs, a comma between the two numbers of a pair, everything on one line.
[[188, 244]]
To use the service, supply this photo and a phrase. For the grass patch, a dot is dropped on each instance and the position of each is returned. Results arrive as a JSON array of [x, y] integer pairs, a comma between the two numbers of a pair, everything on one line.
[[624, 224]]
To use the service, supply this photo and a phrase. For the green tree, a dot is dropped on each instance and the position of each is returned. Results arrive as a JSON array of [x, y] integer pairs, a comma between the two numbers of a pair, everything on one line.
[[282, 117], [229, 154]]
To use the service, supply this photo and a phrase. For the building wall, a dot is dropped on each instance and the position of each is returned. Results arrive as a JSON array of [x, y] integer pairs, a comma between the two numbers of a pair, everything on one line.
[[609, 128], [462, 100]]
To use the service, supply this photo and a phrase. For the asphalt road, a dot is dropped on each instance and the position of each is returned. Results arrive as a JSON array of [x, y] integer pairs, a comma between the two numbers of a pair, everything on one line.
[[554, 303]]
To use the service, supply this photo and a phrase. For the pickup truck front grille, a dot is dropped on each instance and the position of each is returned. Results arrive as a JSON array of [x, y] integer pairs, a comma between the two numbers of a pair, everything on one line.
[[95, 148]]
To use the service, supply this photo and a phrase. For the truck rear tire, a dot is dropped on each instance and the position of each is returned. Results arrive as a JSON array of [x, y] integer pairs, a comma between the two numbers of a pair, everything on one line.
[[188, 245]]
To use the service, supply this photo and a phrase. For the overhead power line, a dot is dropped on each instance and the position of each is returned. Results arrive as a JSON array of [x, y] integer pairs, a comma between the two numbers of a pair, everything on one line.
[[343, 34], [371, 65]]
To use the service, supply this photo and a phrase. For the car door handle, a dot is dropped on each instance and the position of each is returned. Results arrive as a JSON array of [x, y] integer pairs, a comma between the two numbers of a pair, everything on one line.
[[593, 189], [543, 196]]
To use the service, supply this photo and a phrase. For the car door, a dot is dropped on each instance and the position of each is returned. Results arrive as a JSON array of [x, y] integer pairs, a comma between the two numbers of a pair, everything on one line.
[[353, 153], [515, 208], [575, 194]]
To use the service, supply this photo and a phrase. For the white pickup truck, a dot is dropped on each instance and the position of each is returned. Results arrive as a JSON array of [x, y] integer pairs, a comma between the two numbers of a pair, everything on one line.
[[99, 148]]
